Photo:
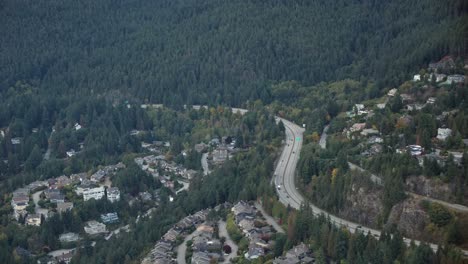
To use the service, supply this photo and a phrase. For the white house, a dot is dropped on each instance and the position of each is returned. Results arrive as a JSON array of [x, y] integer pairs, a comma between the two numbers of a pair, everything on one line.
[[443, 133], [416, 77], [96, 193], [456, 78], [77, 126], [94, 227], [33, 219], [392, 92], [113, 194], [71, 153]]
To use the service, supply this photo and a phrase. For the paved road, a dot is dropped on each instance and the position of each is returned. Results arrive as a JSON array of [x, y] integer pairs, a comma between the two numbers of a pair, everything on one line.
[[289, 195], [457, 207], [204, 162], [182, 248], [223, 233], [378, 180], [284, 178], [269, 219], [323, 137], [374, 178]]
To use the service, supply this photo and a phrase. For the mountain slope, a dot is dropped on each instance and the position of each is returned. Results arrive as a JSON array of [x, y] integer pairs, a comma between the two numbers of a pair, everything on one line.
[[203, 51]]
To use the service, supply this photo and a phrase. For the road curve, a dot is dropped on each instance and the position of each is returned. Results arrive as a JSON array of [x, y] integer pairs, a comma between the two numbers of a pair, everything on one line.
[[284, 180], [286, 188]]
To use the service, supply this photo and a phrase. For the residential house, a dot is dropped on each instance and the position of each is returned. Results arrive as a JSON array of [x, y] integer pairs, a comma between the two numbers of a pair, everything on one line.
[[381, 106], [33, 219], [171, 234], [416, 78], [69, 237], [456, 78], [54, 195], [359, 109], [85, 185], [77, 126], [79, 177], [71, 153], [63, 181], [200, 257], [109, 218], [243, 210], [113, 194], [415, 150], [98, 176], [199, 243], [220, 155], [93, 193], [443, 133], [405, 98], [246, 225], [63, 207], [16, 141], [357, 127], [414, 107], [145, 196], [94, 227], [437, 77], [254, 251], [19, 202], [431, 100], [65, 257], [392, 92], [299, 254]]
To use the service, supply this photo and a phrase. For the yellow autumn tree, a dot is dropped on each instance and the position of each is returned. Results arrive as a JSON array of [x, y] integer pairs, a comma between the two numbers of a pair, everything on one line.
[[333, 176]]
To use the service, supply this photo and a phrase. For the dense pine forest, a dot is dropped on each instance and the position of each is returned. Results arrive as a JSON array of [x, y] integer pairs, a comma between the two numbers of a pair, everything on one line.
[[228, 52], [90, 76]]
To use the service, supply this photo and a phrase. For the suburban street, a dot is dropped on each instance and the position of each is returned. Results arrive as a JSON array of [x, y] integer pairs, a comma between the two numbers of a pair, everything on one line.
[[182, 248]]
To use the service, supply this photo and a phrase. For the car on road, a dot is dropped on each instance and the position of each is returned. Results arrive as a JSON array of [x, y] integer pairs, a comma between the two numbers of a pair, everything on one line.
[[279, 187]]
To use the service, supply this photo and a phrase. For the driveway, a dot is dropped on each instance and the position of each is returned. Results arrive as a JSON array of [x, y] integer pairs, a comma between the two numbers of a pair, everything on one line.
[[269, 219]]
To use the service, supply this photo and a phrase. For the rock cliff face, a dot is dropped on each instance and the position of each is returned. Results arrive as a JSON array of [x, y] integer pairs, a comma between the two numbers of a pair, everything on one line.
[[433, 188], [409, 217], [362, 206]]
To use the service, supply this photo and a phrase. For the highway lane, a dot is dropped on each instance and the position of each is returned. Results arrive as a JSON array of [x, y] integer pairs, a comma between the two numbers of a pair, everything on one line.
[[289, 195], [284, 179]]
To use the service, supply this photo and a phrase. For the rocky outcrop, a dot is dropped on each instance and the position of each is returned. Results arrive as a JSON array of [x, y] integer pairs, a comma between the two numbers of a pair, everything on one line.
[[432, 187], [409, 217], [363, 206]]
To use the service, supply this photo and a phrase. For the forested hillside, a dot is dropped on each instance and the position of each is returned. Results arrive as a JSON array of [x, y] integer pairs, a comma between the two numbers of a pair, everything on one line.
[[206, 51]]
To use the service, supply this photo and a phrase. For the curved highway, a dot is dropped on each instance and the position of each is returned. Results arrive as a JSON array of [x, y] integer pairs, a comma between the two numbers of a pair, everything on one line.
[[285, 182]]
